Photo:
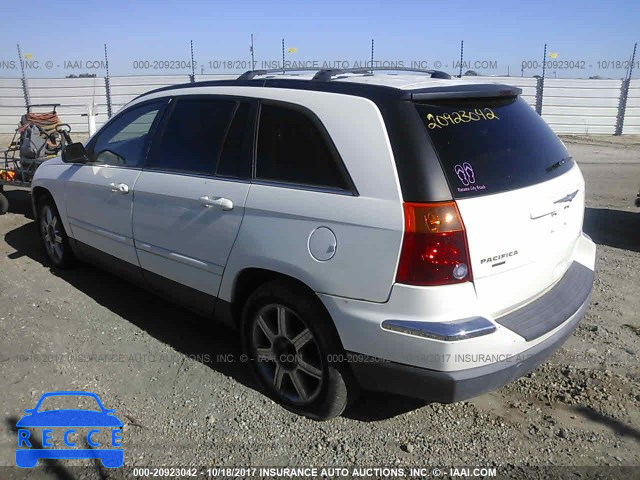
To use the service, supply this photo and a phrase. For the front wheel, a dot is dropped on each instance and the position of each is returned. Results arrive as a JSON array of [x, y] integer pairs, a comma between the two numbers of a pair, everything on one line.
[[295, 351], [52, 234]]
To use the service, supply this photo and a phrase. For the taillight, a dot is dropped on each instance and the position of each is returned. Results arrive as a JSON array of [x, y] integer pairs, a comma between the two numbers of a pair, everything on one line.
[[434, 248]]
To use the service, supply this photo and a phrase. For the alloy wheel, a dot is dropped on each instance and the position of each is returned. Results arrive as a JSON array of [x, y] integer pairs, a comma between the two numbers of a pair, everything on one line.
[[51, 232], [287, 354]]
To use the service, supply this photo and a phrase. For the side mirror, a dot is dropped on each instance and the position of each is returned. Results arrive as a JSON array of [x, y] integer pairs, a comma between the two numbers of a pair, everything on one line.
[[74, 153]]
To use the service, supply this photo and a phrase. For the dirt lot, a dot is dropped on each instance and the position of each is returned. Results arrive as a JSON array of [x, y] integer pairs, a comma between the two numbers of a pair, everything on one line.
[[182, 404]]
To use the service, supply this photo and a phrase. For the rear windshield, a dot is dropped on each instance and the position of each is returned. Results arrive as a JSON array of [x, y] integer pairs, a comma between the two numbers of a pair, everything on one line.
[[492, 145]]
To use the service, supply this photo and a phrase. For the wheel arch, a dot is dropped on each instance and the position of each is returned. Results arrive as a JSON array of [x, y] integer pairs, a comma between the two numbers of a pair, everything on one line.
[[251, 278], [36, 194]]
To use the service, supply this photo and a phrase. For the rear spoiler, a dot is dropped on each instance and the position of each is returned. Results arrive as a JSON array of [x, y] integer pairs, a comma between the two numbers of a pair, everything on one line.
[[488, 90]]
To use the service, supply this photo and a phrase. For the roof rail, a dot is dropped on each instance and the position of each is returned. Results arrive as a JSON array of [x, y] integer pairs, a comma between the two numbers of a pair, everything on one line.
[[250, 74], [327, 74]]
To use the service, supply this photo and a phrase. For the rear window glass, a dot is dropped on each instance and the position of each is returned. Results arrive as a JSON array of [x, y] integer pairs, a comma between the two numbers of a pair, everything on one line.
[[489, 145], [292, 149]]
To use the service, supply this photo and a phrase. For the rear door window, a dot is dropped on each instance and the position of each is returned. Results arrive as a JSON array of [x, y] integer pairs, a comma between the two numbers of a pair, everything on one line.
[[236, 157], [488, 146]]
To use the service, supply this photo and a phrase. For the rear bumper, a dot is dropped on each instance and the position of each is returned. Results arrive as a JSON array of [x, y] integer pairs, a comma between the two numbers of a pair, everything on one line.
[[429, 342], [452, 386]]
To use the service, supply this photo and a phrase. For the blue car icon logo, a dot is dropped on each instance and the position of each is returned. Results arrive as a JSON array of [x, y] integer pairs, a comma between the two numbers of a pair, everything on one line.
[[70, 423]]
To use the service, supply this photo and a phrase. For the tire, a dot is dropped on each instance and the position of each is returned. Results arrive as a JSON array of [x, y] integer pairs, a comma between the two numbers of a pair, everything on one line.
[[53, 236], [4, 204], [295, 351]]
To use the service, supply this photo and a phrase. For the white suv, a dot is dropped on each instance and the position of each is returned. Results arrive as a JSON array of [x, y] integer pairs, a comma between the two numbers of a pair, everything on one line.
[[409, 233]]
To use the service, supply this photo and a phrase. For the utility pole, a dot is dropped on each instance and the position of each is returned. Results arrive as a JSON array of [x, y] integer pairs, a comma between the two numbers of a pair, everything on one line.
[[107, 83], [540, 83], [193, 65], [624, 93], [25, 90], [253, 61], [372, 43]]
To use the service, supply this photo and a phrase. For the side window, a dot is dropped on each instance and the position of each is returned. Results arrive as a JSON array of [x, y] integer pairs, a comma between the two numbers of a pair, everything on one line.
[[292, 149], [193, 136], [235, 160], [124, 141]]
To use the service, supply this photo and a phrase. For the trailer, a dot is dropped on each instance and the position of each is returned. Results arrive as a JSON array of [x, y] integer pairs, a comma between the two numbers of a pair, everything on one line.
[[39, 136]]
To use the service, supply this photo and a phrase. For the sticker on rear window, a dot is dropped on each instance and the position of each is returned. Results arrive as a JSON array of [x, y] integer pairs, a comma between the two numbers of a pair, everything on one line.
[[506, 154], [467, 177], [460, 116]]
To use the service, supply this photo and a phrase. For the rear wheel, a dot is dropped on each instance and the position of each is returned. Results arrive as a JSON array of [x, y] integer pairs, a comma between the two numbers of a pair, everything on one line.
[[295, 351], [52, 234]]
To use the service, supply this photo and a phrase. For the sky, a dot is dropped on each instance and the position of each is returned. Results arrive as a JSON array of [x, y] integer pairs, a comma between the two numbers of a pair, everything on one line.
[[152, 37]]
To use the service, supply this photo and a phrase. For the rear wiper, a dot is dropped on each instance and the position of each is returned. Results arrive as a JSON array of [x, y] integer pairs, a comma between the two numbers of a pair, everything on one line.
[[558, 164]]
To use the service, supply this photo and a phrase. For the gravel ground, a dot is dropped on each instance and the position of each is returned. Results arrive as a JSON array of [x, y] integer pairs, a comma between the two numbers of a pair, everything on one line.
[[184, 403]]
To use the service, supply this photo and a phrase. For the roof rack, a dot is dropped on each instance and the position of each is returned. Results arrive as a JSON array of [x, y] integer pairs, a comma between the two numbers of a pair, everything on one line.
[[251, 74], [327, 74]]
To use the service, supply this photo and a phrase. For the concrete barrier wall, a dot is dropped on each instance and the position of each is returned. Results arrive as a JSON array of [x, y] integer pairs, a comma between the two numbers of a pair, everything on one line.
[[125, 89], [570, 106], [632, 113], [11, 104], [581, 107], [75, 96]]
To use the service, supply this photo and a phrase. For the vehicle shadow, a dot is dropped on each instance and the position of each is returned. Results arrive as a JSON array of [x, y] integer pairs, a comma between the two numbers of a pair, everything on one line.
[[615, 228], [19, 201], [194, 336], [377, 406], [615, 425], [52, 466], [206, 341]]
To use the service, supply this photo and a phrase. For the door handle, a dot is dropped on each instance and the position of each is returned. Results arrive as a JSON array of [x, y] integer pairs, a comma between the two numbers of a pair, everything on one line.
[[119, 187], [209, 202]]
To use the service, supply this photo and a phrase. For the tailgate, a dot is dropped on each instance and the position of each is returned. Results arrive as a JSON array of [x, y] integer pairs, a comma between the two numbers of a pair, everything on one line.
[[520, 195], [526, 244]]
